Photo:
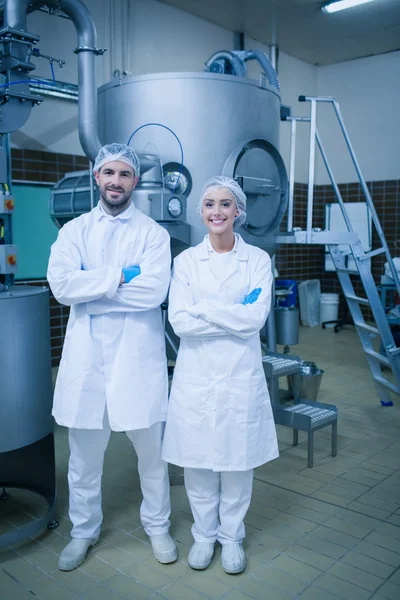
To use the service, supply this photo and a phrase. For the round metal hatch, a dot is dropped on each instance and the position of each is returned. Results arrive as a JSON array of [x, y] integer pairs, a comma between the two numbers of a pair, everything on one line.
[[260, 171]]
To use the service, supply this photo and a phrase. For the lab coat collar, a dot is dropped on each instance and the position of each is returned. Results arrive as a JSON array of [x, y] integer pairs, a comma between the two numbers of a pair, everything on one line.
[[242, 253], [124, 216]]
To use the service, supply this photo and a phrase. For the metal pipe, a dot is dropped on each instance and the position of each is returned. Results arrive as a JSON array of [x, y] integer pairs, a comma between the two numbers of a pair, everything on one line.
[[273, 50], [91, 185], [291, 173], [128, 38], [235, 62], [311, 169], [87, 52], [333, 182], [15, 13], [15, 16], [111, 53]]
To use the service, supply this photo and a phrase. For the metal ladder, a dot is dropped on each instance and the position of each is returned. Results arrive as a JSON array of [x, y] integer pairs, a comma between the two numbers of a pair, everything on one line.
[[366, 332]]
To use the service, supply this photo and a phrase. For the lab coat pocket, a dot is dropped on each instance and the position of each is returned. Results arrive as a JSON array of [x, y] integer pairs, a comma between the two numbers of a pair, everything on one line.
[[247, 398], [189, 399]]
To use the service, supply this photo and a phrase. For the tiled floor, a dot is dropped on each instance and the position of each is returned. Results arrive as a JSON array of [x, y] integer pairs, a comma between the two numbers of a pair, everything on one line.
[[316, 534]]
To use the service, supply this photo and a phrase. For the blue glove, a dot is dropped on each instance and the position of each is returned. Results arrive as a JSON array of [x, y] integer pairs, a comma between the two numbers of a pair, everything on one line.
[[253, 296], [131, 272]]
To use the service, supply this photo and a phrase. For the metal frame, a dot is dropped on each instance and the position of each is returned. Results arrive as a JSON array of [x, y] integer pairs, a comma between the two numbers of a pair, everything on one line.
[[333, 240]]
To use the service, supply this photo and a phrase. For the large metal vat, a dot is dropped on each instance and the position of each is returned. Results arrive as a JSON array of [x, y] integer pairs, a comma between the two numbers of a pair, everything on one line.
[[226, 124], [25, 367], [26, 424]]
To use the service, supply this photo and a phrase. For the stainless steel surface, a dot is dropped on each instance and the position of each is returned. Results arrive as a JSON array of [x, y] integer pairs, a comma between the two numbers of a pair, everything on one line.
[[270, 336], [15, 13], [25, 367], [334, 184], [287, 325], [91, 182], [292, 162], [201, 108], [310, 381], [311, 170]]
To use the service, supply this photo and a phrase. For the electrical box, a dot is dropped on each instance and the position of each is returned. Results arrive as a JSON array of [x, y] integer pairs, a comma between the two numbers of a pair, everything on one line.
[[6, 204], [167, 206], [8, 259]]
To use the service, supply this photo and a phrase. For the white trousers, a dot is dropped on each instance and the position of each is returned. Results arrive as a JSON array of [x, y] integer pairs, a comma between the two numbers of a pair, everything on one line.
[[85, 471], [219, 503]]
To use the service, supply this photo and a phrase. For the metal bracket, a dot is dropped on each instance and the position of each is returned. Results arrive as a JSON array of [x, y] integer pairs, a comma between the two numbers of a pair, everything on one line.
[[8, 34], [97, 51]]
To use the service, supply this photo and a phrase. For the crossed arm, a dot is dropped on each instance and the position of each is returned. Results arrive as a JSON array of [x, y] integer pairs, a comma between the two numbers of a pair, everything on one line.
[[214, 318], [100, 288]]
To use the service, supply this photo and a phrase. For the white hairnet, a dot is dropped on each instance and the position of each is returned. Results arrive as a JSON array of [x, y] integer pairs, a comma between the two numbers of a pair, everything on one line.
[[215, 183], [122, 152]]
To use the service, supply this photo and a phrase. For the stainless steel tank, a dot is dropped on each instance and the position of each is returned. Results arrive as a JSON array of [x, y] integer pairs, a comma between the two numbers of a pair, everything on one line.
[[226, 124], [26, 425], [287, 325], [25, 367]]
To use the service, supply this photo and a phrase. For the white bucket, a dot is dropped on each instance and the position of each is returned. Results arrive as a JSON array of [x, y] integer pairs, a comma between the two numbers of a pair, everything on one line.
[[329, 308]]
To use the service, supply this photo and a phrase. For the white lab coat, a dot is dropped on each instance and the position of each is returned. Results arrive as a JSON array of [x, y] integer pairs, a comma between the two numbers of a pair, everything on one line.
[[114, 348], [219, 415]]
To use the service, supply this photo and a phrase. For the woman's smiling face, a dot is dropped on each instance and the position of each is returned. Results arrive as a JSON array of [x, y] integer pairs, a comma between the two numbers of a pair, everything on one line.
[[219, 211]]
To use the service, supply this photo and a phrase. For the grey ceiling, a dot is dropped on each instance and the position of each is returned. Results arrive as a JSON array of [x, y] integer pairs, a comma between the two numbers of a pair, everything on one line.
[[302, 30]]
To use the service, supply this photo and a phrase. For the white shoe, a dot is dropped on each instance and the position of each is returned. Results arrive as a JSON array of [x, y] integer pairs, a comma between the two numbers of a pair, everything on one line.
[[233, 558], [164, 548], [75, 553], [200, 555]]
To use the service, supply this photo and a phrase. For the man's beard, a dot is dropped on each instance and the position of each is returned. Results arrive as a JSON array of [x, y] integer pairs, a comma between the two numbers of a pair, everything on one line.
[[115, 206]]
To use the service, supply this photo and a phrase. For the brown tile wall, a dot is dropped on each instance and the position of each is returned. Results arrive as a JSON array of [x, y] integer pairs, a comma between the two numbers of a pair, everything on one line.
[[298, 262], [44, 167]]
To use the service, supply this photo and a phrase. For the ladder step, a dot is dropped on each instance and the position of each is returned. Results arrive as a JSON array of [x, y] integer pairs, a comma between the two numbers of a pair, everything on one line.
[[368, 255], [387, 384], [368, 328], [357, 299], [377, 356]]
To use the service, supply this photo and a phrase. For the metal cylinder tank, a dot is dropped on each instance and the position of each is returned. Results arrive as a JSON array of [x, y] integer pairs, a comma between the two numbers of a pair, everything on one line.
[[25, 367], [287, 325], [226, 125]]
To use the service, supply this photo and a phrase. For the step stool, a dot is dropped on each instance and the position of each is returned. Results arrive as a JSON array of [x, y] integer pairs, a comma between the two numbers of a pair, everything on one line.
[[303, 415]]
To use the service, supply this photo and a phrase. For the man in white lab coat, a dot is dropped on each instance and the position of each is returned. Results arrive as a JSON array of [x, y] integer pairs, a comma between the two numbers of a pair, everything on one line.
[[112, 266]]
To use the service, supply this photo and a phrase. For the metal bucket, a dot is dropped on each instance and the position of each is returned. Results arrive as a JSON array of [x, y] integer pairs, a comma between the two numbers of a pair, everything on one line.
[[287, 325], [310, 380]]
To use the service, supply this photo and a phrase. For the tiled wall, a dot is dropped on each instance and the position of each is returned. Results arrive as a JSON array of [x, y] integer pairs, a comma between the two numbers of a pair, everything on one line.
[[298, 262], [44, 167]]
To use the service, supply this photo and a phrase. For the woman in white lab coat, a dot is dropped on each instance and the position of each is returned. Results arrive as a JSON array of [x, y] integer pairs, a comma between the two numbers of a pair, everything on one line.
[[220, 424]]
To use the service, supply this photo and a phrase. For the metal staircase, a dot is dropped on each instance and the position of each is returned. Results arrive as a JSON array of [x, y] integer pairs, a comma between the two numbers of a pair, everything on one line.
[[368, 334]]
